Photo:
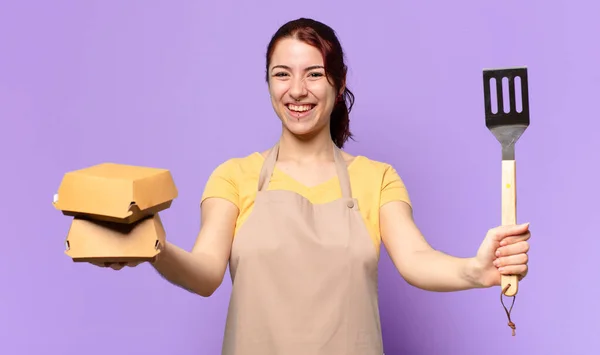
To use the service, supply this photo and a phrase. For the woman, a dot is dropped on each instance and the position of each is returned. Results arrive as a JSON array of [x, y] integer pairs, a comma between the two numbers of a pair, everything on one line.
[[300, 225]]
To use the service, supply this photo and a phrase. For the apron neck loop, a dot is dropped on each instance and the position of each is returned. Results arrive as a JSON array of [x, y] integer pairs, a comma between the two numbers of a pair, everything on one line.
[[268, 167], [340, 166]]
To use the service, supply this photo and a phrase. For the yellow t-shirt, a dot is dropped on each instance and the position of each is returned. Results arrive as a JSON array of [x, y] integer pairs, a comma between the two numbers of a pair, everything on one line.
[[373, 185]]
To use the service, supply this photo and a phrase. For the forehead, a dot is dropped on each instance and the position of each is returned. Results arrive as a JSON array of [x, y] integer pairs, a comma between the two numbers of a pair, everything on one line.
[[294, 53]]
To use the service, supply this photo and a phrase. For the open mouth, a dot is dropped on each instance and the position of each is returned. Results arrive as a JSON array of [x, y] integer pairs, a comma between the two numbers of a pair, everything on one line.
[[300, 111]]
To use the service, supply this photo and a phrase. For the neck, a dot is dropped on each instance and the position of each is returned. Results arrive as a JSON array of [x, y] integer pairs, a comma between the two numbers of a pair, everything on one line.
[[316, 148]]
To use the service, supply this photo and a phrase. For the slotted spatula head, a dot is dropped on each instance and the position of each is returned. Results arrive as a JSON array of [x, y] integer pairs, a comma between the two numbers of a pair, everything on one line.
[[506, 97]]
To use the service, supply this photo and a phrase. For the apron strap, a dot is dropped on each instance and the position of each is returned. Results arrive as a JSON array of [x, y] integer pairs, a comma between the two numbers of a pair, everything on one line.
[[340, 165], [268, 167], [342, 171]]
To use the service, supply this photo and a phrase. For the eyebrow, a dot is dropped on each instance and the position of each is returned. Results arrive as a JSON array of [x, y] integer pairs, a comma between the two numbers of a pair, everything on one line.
[[312, 67]]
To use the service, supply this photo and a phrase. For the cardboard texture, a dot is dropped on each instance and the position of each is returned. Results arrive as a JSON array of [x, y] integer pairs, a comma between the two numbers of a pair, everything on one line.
[[115, 212], [116, 193], [101, 241]]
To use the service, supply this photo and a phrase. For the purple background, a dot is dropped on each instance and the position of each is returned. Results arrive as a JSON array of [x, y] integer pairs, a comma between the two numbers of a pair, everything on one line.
[[179, 85]]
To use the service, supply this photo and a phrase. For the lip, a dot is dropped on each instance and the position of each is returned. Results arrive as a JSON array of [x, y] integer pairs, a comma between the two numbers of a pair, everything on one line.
[[298, 115], [299, 103]]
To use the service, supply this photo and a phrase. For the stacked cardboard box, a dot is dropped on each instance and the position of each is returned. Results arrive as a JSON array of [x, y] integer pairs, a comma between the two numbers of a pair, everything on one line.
[[115, 212]]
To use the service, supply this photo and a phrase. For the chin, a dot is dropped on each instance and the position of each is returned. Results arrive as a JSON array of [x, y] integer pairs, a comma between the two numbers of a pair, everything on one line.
[[301, 129]]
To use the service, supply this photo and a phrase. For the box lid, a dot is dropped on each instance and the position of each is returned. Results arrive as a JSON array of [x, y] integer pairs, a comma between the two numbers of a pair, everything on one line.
[[115, 190]]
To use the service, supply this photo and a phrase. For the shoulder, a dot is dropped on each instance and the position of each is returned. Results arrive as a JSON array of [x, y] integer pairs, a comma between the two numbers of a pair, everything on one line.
[[378, 177], [366, 166], [229, 176], [239, 165]]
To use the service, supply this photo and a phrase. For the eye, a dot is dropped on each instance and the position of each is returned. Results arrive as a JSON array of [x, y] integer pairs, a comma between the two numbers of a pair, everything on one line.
[[280, 74], [315, 75]]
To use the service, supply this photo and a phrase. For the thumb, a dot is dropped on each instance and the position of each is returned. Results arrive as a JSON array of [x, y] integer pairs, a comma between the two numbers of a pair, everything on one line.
[[502, 232]]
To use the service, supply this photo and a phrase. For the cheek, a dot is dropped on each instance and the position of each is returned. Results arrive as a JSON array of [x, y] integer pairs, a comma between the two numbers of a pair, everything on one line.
[[277, 90], [326, 102], [324, 93]]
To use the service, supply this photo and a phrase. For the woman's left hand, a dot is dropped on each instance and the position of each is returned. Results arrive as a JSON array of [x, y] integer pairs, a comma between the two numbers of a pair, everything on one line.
[[503, 252]]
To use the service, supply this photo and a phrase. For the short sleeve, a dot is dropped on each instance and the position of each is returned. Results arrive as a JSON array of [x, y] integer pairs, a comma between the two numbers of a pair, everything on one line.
[[223, 183], [393, 188]]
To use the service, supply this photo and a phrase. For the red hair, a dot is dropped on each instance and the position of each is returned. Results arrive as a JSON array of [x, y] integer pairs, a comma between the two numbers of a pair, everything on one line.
[[323, 37]]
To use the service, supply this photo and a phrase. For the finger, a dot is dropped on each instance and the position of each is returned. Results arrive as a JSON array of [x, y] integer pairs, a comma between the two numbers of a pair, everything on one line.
[[502, 232], [519, 259], [512, 249], [520, 270], [133, 263], [117, 266], [516, 239], [95, 263]]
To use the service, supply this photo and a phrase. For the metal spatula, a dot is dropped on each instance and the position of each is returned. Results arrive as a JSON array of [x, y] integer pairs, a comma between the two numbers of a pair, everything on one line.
[[507, 122]]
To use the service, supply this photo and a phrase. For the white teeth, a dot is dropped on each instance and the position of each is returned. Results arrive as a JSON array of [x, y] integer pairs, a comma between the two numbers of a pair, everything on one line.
[[300, 108]]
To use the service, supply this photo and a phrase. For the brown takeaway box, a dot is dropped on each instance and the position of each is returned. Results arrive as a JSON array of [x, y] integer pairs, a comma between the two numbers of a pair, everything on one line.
[[115, 211]]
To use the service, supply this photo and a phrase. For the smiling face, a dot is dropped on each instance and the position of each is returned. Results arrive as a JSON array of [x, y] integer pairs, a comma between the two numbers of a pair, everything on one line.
[[301, 95]]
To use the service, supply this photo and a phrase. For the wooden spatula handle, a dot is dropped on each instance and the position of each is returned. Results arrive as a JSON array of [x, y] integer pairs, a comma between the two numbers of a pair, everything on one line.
[[509, 215]]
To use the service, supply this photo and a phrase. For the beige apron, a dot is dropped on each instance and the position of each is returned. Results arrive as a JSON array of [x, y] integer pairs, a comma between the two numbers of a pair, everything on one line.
[[304, 276]]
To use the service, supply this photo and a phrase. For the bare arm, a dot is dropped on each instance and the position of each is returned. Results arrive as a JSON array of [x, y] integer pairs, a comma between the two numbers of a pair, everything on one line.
[[202, 270], [418, 263]]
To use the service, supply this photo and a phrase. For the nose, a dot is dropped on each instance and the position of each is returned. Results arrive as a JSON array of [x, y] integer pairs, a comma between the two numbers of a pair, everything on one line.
[[298, 89]]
